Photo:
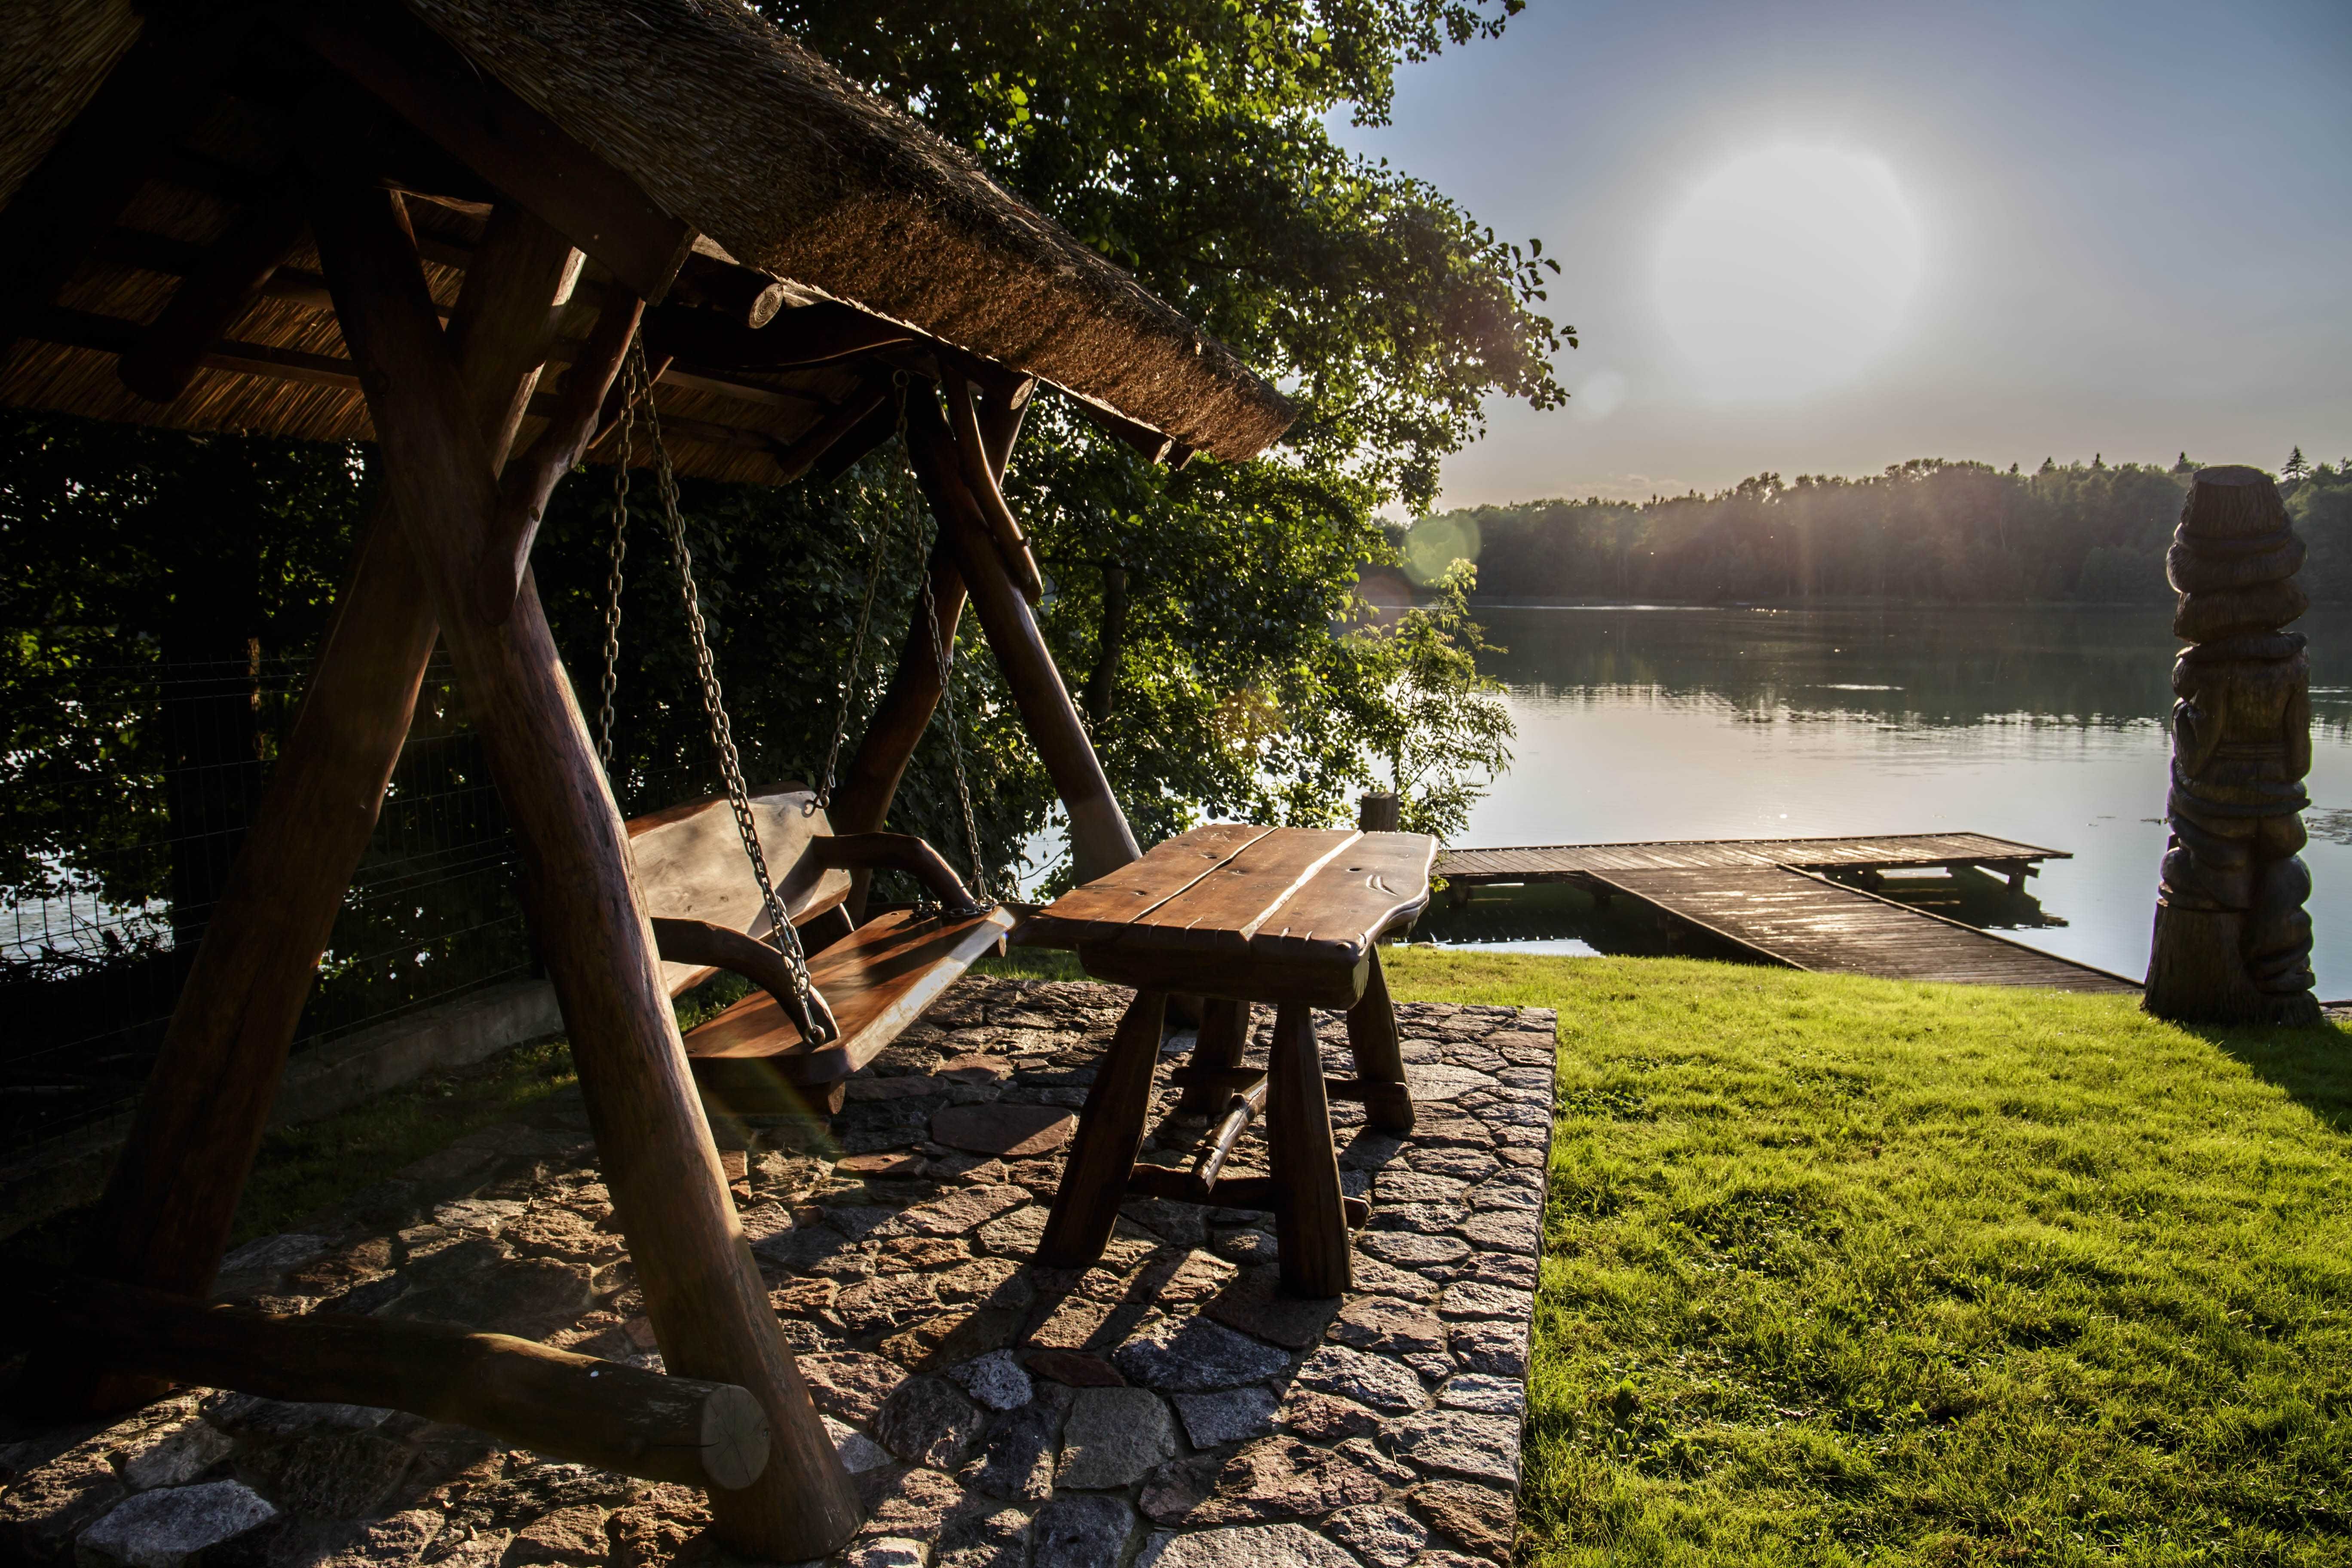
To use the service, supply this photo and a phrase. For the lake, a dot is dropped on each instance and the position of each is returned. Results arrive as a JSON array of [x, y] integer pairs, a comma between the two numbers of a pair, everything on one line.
[[2040, 725]]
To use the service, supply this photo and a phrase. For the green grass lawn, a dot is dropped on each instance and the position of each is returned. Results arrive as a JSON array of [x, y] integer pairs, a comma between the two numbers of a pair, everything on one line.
[[1846, 1270]]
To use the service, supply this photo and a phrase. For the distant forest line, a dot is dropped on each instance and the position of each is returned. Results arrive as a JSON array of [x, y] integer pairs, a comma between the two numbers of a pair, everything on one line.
[[1929, 531]]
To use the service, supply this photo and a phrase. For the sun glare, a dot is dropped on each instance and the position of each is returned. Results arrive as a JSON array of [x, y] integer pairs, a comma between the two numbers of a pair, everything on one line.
[[1786, 271]]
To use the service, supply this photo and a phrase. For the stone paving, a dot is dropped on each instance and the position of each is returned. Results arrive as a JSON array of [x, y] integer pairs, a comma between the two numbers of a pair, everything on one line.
[[1169, 1408]]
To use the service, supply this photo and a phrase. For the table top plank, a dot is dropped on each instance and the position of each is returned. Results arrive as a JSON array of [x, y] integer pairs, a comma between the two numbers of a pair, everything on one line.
[[1225, 909], [1336, 914], [1104, 906]]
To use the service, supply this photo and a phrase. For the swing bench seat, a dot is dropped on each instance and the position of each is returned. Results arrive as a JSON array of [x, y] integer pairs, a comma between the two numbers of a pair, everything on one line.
[[879, 977]]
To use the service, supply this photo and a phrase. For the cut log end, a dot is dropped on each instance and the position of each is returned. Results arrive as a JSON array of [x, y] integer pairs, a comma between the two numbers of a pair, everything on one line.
[[735, 1438]]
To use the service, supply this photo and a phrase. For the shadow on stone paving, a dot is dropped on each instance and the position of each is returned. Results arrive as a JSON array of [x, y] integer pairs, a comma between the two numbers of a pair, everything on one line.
[[1168, 1407]]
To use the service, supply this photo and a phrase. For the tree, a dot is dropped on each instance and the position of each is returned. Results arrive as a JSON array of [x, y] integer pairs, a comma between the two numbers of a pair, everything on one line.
[[1928, 529], [1186, 140], [1424, 712], [2296, 468]]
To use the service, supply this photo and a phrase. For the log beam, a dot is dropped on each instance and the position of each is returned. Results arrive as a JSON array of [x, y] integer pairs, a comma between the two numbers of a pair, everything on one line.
[[164, 1221], [973, 457], [232, 275], [509, 144], [571, 427], [862, 804], [844, 417], [1101, 839], [702, 1293], [568, 1406], [805, 335], [72, 198]]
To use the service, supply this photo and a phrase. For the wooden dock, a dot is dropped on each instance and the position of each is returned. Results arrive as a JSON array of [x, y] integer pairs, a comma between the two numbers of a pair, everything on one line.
[[1887, 852], [1768, 898]]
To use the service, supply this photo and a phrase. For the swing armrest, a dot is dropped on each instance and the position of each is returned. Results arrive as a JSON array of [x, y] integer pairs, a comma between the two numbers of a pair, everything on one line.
[[894, 852], [723, 947]]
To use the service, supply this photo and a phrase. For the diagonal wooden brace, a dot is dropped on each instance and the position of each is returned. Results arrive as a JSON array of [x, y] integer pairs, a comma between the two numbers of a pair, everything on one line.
[[703, 1292]]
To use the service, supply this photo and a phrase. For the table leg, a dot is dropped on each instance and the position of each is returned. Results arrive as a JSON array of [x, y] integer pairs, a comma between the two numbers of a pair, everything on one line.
[[1380, 1061], [1224, 1031], [1310, 1222], [1110, 1132]]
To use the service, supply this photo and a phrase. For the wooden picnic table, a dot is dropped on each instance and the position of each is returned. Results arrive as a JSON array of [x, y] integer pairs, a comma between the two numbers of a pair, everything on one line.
[[1235, 914]]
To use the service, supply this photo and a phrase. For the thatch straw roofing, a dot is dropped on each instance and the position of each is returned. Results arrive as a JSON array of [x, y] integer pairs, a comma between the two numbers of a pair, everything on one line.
[[756, 141], [730, 128]]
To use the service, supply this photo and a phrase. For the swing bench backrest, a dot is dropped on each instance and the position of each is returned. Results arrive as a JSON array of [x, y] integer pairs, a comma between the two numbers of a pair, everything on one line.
[[690, 866], [877, 977]]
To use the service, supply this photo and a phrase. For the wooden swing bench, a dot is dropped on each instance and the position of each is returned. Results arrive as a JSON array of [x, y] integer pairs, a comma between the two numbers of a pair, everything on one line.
[[877, 977]]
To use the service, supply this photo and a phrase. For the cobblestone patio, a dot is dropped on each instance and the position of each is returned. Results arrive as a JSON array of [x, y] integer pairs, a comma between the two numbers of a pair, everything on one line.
[[1167, 1408]]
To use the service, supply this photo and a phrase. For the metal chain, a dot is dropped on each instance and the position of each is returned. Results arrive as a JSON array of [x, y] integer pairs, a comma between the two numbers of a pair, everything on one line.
[[955, 745], [786, 939], [624, 454], [864, 618]]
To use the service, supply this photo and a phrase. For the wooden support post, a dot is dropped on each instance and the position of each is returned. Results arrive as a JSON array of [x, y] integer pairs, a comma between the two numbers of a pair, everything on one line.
[[1225, 1033], [601, 1413], [863, 802], [1310, 1221], [1110, 1132], [1101, 839], [570, 426], [1379, 1057], [165, 1218], [972, 454], [703, 1292]]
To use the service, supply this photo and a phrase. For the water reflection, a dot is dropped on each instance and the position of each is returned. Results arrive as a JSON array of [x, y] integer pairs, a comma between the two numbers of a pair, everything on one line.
[[2043, 725]]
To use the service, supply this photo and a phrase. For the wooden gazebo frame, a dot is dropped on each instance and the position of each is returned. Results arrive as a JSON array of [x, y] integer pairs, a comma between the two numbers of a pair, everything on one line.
[[247, 217]]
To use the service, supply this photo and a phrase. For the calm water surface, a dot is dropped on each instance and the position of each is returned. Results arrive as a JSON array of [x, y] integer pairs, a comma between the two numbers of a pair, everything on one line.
[[2045, 725]]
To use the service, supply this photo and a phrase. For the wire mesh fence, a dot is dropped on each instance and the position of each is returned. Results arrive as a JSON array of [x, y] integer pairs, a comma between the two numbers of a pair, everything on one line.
[[124, 794]]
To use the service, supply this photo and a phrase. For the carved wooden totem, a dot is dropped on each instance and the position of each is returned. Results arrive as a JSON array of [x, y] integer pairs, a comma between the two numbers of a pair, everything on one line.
[[2232, 938]]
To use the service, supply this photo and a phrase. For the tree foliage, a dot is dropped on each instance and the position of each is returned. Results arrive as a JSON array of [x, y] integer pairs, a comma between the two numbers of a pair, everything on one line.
[[1423, 709], [1184, 139], [1928, 530]]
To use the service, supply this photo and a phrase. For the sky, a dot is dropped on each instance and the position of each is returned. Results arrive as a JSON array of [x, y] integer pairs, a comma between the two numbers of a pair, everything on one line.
[[1823, 236]]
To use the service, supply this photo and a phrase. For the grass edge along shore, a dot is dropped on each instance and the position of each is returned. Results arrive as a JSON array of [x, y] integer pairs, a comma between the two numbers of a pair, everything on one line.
[[1843, 1271]]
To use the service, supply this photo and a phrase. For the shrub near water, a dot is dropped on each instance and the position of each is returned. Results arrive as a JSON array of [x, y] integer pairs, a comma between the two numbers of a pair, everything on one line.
[[1843, 1271]]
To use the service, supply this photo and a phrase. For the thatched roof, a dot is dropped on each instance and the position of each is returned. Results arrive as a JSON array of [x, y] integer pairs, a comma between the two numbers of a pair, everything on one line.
[[726, 125]]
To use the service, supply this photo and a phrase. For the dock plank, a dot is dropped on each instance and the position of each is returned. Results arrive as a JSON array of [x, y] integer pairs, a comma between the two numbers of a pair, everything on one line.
[[1886, 851], [1792, 917], [1763, 894]]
